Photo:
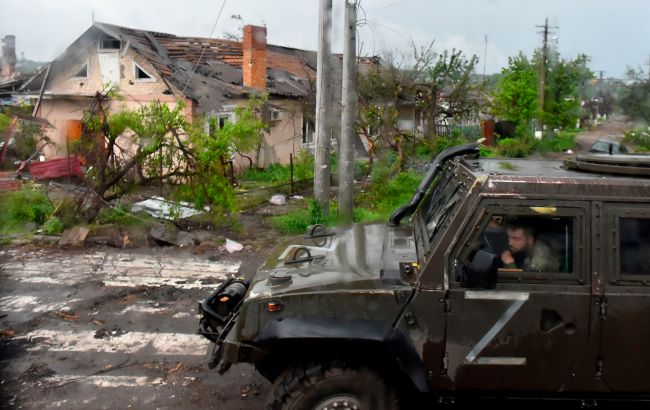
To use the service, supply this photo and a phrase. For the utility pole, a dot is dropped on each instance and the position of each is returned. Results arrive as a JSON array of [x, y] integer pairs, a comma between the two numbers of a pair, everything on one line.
[[485, 56], [648, 63], [323, 107], [348, 114], [543, 65]]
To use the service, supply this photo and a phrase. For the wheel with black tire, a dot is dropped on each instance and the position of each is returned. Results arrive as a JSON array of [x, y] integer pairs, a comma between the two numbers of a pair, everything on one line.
[[325, 387]]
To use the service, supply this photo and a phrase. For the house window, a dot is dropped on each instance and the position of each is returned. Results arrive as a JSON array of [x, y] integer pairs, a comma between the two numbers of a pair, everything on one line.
[[218, 121], [139, 74], [109, 43], [83, 72], [307, 131]]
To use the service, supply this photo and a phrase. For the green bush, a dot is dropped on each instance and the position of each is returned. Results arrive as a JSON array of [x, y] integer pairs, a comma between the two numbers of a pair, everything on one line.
[[29, 205], [385, 193], [443, 142], [298, 220], [562, 141], [303, 169], [53, 226], [639, 138], [515, 147]]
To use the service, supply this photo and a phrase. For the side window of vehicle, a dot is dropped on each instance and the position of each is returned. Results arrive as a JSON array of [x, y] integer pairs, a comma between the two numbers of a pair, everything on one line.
[[634, 247], [530, 246]]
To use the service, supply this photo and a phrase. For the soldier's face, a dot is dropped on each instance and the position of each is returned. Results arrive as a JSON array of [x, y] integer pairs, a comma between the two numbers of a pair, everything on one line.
[[519, 240]]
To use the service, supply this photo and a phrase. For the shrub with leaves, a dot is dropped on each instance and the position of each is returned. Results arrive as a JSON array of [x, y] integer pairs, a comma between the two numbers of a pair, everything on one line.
[[29, 205]]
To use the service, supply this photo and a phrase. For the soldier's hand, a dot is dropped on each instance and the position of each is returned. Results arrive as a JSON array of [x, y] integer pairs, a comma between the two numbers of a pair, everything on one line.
[[506, 258]]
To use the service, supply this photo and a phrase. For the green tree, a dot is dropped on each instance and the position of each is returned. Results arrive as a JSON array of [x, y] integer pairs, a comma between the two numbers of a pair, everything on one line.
[[157, 143], [635, 97], [439, 85], [515, 98], [516, 95]]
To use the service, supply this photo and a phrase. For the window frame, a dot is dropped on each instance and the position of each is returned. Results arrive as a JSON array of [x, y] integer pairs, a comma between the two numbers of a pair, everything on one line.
[[137, 66], [614, 213], [87, 65], [489, 207], [100, 42]]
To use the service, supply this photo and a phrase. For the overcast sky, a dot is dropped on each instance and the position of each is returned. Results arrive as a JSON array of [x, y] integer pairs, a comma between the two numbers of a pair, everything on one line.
[[613, 33]]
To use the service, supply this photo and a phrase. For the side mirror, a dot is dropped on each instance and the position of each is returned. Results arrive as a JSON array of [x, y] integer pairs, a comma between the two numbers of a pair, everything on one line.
[[481, 271]]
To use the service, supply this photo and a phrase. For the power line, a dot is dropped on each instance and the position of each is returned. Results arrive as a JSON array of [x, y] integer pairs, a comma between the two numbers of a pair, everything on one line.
[[204, 47]]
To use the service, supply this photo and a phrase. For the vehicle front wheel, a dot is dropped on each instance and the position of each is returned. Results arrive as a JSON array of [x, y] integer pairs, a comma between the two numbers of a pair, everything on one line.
[[323, 387]]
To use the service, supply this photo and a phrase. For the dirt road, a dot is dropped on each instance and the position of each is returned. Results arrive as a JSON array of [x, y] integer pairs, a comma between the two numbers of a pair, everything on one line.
[[103, 328]]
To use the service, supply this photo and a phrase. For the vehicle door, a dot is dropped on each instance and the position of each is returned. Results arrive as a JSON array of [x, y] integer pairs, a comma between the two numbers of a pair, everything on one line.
[[625, 306], [530, 331]]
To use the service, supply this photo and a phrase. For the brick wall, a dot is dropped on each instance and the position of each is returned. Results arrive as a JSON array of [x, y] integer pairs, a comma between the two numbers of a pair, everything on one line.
[[254, 65]]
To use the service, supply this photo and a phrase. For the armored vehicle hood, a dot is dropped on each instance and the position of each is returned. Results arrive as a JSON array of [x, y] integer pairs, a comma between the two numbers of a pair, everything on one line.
[[360, 257]]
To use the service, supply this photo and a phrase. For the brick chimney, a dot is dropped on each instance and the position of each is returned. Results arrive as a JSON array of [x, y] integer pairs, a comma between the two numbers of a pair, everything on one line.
[[254, 63], [8, 56]]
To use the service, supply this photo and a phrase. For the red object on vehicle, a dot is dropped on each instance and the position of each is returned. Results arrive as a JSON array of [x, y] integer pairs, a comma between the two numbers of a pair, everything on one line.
[[56, 168]]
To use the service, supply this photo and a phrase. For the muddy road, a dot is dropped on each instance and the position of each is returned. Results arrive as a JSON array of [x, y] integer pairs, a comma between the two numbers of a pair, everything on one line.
[[103, 328]]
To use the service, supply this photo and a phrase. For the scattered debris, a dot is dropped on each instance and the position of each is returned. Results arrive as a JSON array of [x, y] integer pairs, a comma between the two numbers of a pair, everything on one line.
[[74, 236], [298, 197], [161, 208], [245, 390], [65, 316], [6, 333], [233, 246], [176, 369], [185, 239], [165, 233], [104, 333], [278, 199], [109, 235]]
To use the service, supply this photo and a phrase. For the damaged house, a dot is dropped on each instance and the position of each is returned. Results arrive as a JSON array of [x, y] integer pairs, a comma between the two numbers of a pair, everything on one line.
[[211, 76]]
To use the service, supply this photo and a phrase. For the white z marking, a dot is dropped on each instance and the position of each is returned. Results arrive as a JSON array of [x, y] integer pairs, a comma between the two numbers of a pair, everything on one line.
[[518, 298]]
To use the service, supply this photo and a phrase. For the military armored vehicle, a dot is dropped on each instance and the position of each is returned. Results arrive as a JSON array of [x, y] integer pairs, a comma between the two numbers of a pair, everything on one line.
[[501, 278]]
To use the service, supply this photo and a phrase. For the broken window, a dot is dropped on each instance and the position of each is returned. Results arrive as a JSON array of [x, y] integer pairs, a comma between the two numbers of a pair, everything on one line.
[[307, 131], [109, 43], [140, 74], [83, 72]]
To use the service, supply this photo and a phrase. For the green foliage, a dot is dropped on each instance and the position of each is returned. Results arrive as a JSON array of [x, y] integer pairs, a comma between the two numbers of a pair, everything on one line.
[[298, 220], [4, 122], [441, 143], [122, 215], [562, 92], [53, 226], [366, 215], [562, 141], [386, 192], [29, 205], [208, 184], [635, 100], [516, 93], [639, 138], [303, 169], [515, 147], [488, 152]]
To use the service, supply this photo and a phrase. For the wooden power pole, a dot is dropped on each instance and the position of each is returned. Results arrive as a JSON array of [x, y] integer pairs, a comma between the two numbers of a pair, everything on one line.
[[543, 69], [348, 114], [323, 107]]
